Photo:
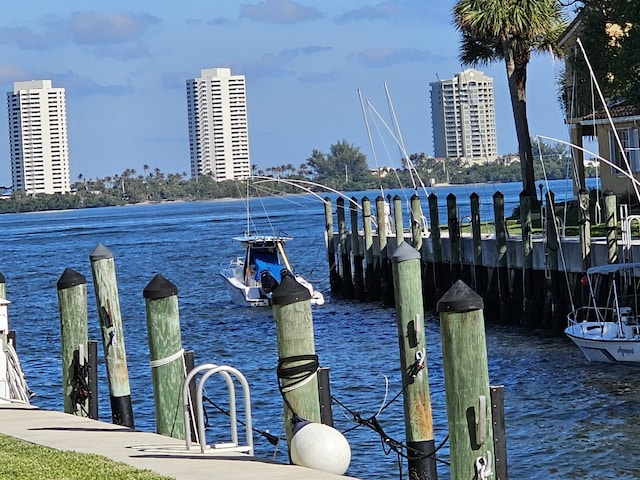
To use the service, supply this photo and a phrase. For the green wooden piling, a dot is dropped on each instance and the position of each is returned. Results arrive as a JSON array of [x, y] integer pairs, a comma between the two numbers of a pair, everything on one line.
[[528, 287], [72, 305], [553, 244], [479, 271], [584, 220], [372, 293], [296, 353], [556, 283], [611, 222], [501, 272], [166, 354], [346, 283], [417, 231], [108, 304], [466, 381], [415, 379], [454, 236], [358, 257], [436, 245], [334, 275], [386, 280], [416, 223], [398, 220]]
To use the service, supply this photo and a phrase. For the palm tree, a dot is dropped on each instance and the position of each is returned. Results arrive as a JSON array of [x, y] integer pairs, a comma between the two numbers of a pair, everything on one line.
[[510, 30]]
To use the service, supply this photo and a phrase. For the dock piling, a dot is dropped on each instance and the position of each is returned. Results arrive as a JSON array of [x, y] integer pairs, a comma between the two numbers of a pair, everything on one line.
[[166, 354], [297, 359], [466, 381], [413, 363], [72, 305], [108, 304]]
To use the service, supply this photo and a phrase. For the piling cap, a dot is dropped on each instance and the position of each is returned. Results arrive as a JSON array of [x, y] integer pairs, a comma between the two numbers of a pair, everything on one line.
[[458, 299], [100, 253], [404, 252], [2, 279], [158, 288], [70, 278], [289, 291]]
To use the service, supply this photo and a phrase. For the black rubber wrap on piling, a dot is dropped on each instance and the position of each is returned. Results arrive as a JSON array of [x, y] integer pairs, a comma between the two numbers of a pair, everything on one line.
[[122, 411]]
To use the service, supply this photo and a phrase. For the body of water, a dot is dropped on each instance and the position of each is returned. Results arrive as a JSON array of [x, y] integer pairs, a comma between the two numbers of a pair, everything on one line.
[[565, 418]]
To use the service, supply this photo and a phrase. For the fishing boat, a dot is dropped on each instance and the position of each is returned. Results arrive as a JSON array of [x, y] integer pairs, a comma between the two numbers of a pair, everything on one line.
[[607, 329], [252, 278]]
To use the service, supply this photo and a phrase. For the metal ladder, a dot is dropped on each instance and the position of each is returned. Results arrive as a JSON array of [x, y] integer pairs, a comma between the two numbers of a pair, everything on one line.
[[626, 221], [226, 372]]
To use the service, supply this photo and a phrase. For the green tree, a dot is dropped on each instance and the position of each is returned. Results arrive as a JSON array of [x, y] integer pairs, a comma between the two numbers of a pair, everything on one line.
[[344, 165], [510, 30], [612, 44]]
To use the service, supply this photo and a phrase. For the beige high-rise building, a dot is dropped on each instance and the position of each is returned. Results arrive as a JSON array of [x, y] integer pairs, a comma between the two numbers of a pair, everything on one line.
[[38, 138], [463, 117], [218, 126]]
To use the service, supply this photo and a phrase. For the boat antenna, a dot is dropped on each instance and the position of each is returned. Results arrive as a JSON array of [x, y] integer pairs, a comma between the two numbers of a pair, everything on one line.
[[247, 208]]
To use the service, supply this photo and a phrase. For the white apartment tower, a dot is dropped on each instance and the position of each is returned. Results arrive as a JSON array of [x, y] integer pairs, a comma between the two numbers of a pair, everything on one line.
[[463, 116], [38, 138], [218, 127]]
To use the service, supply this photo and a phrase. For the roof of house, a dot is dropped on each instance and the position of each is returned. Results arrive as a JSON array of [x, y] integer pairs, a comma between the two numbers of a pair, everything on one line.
[[617, 111]]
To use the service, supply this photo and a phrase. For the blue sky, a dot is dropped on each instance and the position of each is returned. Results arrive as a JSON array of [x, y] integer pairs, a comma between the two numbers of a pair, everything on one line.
[[124, 66]]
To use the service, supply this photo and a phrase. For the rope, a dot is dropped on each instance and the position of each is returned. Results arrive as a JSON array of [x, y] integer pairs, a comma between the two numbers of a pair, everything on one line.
[[19, 391], [389, 444], [80, 390], [166, 360], [299, 375], [272, 439]]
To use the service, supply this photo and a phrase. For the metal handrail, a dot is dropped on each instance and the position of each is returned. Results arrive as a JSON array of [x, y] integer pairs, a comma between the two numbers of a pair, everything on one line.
[[226, 372]]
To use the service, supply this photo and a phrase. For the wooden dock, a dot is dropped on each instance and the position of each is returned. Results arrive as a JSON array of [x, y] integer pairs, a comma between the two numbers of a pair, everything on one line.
[[524, 277]]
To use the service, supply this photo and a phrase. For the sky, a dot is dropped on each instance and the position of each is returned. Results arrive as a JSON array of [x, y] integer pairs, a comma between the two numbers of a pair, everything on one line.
[[125, 64]]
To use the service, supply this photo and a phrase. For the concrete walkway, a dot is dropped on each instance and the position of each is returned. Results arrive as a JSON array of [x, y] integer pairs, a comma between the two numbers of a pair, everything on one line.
[[164, 455]]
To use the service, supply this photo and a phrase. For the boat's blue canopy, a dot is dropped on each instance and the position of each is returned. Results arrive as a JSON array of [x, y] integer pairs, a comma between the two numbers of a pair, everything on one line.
[[273, 268]]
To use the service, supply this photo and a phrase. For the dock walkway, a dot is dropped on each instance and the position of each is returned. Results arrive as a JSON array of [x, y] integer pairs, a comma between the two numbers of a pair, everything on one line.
[[149, 451]]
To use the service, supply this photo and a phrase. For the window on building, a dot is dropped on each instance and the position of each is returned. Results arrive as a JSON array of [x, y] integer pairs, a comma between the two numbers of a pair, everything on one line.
[[629, 142]]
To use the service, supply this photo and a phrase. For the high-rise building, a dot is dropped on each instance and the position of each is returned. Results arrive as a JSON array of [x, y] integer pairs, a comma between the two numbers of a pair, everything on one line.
[[463, 116], [38, 138], [218, 127]]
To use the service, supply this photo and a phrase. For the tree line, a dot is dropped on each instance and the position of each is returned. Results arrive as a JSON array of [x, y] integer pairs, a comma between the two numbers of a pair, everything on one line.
[[343, 168]]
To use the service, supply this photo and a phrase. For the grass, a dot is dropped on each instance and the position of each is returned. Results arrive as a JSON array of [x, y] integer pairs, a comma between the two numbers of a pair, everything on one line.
[[27, 461]]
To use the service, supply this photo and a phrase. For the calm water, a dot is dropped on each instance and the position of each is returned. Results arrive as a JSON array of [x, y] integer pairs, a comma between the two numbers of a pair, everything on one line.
[[565, 419]]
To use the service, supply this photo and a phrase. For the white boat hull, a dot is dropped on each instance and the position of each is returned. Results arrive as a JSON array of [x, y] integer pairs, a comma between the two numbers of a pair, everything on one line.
[[601, 342], [254, 295]]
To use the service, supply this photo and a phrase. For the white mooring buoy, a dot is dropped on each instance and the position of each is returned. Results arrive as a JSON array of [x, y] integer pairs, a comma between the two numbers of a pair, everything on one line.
[[320, 447]]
